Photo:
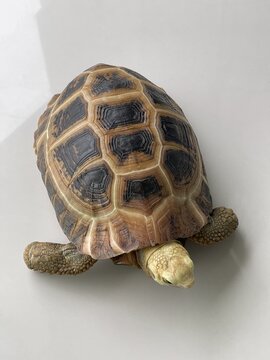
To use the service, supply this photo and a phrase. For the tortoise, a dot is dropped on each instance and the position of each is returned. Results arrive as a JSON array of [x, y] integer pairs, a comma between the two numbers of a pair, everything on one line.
[[125, 175]]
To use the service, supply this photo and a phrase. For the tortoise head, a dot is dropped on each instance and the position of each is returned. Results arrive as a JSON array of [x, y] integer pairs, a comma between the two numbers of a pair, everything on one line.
[[168, 264]]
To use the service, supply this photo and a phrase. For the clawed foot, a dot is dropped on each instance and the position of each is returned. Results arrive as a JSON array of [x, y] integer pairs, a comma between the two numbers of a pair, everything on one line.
[[56, 258]]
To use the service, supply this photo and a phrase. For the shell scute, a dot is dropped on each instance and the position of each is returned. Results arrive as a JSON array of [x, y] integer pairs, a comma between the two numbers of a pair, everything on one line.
[[68, 223], [176, 131], [135, 74], [41, 161], [111, 116], [160, 98], [59, 206], [74, 86], [77, 150], [100, 245], [93, 186], [204, 200], [132, 144], [180, 166], [110, 82], [64, 119]]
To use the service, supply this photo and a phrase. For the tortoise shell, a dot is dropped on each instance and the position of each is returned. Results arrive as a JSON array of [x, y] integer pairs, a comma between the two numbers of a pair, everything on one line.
[[121, 164]]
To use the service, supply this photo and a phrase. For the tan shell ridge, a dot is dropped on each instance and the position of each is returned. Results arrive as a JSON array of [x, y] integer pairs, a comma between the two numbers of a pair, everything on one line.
[[121, 164]]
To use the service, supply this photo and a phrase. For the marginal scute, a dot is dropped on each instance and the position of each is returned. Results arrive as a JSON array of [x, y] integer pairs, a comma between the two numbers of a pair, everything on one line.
[[106, 82], [41, 161], [111, 116], [180, 166], [76, 150], [42, 125], [135, 74], [53, 100], [92, 186], [160, 98], [100, 247], [50, 187], [68, 223], [126, 235], [204, 200], [79, 234], [123, 145], [74, 86], [176, 131], [175, 219], [70, 115], [59, 206]]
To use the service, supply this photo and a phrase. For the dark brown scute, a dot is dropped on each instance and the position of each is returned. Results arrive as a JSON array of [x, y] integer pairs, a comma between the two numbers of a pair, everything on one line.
[[68, 223], [142, 192], [107, 82], [59, 206], [41, 162], [50, 187], [176, 131], [42, 124], [124, 114], [74, 86], [140, 189], [204, 200], [75, 151], [160, 98], [123, 145], [65, 118], [180, 166], [93, 184]]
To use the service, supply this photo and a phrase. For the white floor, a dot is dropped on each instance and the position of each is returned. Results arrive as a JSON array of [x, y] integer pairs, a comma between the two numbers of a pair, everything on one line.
[[213, 58]]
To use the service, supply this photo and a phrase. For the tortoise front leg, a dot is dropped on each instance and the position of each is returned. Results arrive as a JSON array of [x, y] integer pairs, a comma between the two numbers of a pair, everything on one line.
[[221, 224], [56, 258]]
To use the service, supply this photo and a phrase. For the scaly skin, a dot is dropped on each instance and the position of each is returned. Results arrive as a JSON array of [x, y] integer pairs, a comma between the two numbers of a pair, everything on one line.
[[221, 224], [56, 258], [167, 264]]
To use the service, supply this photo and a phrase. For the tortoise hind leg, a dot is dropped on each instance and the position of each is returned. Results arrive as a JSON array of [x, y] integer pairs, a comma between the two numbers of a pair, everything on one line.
[[222, 223], [56, 258]]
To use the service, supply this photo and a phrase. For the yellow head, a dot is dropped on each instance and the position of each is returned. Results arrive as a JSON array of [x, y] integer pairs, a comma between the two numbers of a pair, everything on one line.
[[169, 264]]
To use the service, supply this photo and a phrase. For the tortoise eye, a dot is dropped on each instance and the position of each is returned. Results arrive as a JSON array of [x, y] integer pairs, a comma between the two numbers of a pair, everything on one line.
[[166, 281]]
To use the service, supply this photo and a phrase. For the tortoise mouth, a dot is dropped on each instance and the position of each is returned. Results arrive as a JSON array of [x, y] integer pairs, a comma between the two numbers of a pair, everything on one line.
[[189, 285]]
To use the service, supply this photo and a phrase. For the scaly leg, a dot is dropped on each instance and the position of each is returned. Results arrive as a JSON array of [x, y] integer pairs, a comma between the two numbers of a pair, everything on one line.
[[221, 224], [56, 258]]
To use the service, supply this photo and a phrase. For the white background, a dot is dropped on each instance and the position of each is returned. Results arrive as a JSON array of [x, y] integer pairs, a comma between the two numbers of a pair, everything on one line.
[[213, 58]]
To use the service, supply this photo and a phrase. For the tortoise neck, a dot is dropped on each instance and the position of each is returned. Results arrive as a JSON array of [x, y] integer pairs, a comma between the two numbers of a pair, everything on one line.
[[144, 254], [130, 259]]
